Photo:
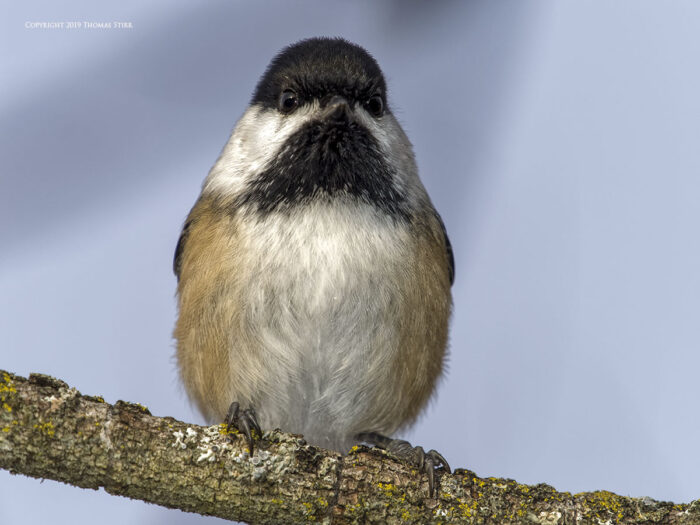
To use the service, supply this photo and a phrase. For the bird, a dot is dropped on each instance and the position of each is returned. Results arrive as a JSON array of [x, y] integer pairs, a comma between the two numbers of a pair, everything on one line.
[[314, 273]]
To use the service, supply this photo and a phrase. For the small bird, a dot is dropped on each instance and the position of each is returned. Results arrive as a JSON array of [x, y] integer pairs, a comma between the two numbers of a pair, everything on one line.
[[314, 273]]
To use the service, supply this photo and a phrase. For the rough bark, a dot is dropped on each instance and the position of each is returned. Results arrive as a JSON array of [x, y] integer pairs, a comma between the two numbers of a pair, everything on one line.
[[49, 430]]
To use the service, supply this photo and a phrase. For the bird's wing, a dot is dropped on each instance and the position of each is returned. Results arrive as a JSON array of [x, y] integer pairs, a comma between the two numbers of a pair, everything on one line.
[[180, 248], [448, 248]]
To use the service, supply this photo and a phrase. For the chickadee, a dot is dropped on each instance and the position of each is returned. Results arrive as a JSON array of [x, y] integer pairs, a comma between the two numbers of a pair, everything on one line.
[[313, 272]]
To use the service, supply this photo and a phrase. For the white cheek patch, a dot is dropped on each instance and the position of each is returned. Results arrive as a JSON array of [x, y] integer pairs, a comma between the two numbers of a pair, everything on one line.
[[256, 141]]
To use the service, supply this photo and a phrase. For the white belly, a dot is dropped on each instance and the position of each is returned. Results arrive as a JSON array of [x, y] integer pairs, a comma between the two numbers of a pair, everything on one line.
[[322, 307]]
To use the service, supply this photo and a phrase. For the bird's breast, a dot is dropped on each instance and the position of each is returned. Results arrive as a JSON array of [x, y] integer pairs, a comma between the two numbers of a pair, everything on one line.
[[322, 302], [325, 264]]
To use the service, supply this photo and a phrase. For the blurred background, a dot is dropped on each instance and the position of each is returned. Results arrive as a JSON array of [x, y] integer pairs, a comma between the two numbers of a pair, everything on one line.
[[559, 141]]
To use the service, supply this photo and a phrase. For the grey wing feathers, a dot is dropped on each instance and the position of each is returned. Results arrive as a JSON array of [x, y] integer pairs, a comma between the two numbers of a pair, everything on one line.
[[179, 249], [448, 247]]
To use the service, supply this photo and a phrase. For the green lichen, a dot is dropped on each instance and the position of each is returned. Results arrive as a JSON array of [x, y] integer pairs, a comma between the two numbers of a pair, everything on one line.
[[7, 384], [356, 510], [606, 505], [391, 491], [468, 509], [224, 429], [7, 389], [45, 428], [387, 488], [309, 511]]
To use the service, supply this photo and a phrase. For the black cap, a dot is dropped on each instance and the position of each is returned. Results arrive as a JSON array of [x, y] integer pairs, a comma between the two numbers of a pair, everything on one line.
[[318, 67]]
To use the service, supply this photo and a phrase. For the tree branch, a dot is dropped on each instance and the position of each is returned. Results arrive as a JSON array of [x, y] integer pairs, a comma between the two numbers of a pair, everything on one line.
[[49, 430]]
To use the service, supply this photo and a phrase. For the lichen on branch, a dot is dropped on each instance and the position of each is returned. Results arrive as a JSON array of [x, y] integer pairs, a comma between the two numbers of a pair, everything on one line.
[[50, 430]]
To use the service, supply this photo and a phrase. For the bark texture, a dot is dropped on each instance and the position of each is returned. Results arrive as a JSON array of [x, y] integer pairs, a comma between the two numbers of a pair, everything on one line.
[[49, 430]]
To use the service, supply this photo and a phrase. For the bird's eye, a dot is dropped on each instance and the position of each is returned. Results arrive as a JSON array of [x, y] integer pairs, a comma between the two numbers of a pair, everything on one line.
[[375, 106], [288, 101]]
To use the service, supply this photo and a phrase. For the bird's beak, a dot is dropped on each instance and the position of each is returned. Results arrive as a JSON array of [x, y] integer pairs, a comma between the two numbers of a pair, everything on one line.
[[338, 110]]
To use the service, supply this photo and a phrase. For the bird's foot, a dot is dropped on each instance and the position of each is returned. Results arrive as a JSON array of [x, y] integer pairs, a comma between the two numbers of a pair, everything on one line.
[[426, 462], [243, 420]]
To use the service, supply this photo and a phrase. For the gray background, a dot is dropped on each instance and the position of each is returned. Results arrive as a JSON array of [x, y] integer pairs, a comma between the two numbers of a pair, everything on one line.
[[559, 140]]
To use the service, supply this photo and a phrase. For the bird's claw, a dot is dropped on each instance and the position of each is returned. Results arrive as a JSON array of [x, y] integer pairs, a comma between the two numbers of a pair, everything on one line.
[[426, 462], [245, 421]]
